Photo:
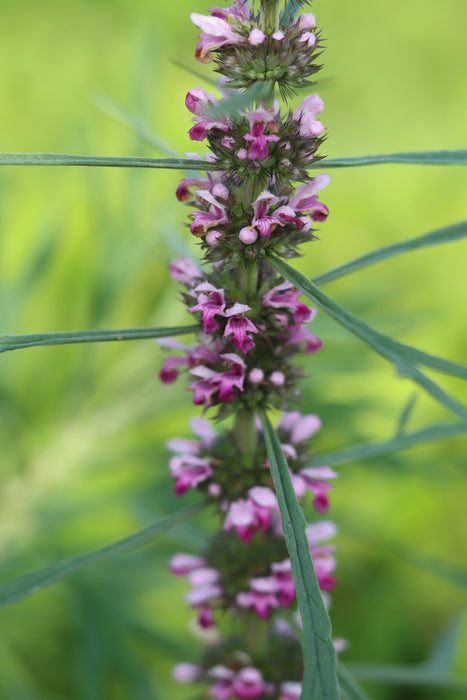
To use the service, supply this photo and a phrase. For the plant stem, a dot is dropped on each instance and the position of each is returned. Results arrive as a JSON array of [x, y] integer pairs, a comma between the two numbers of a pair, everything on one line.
[[270, 15], [245, 434]]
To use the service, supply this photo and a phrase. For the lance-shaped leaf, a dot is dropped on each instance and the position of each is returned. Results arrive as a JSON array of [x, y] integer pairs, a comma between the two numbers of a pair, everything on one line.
[[292, 7], [30, 340], [131, 121], [104, 161], [406, 675], [439, 431], [441, 235], [241, 100], [348, 686], [23, 586], [403, 357], [319, 680], [458, 157]]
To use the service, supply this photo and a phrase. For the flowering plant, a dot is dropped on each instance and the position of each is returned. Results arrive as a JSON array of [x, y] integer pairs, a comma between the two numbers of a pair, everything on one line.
[[258, 203]]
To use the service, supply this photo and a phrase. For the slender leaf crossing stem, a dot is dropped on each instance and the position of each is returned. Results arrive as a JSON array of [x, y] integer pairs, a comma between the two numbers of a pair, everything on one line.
[[16, 342]]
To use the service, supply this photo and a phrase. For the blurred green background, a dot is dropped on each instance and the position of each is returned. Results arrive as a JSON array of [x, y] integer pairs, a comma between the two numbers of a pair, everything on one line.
[[82, 428]]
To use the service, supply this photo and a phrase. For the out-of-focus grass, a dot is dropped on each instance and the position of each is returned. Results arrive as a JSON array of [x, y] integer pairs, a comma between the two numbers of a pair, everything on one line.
[[82, 428]]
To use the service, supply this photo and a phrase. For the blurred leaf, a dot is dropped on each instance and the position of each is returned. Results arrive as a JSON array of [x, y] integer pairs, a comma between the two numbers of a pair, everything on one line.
[[241, 100], [458, 157], [16, 342], [434, 565], [443, 650], [319, 680], [134, 123], [348, 686], [104, 161], [290, 10], [439, 431], [206, 78], [402, 356], [441, 235], [405, 415], [23, 586], [406, 675]]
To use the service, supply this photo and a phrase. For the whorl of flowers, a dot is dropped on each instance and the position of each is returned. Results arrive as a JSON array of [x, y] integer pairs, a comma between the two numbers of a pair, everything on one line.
[[259, 199]]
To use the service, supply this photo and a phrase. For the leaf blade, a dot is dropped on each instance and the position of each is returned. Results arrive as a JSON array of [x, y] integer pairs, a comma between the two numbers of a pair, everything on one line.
[[400, 442], [319, 681], [455, 157], [398, 354], [23, 586], [17, 342], [65, 159], [349, 688], [438, 237]]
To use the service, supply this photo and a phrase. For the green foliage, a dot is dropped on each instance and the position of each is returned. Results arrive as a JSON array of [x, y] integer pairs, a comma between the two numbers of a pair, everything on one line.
[[319, 656]]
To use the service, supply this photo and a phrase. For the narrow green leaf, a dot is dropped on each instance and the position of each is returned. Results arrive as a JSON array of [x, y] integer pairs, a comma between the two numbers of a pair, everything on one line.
[[405, 415], [400, 442], [104, 161], [441, 235], [188, 67], [16, 342], [291, 8], [443, 650], [23, 586], [401, 356], [406, 675], [319, 680], [348, 686], [458, 157], [433, 564], [242, 100], [132, 122]]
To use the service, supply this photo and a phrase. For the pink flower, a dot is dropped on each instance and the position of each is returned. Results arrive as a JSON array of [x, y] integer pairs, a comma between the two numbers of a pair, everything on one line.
[[282, 574], [305, 114], [185, 271], [189, 471], [212, 303], [186, 673], [315, 479], [258, 149], [239, 327], [290, 690], [182, 564], [249, 515], [305, 199], [232, 379], [249, 684], [298, 335], [300, 427], [261, 596], [215, 32], [204, 220], [286, 296]]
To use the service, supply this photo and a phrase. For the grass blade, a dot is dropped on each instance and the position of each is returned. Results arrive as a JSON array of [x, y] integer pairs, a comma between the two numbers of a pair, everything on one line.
[[348, 687], [400, 442], [401, 356], [406, 675], [458, 157], [104, 161], [438, 237], [24, 586], [241, 100], [16, 342], [132, 122], [319, 680]]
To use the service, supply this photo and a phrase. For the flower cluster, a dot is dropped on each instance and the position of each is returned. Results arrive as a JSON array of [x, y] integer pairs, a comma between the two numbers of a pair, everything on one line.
[[258, 198]]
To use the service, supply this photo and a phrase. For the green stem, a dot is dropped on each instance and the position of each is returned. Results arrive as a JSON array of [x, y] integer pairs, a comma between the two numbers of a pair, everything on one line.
[[270, 15], [245, 434]]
